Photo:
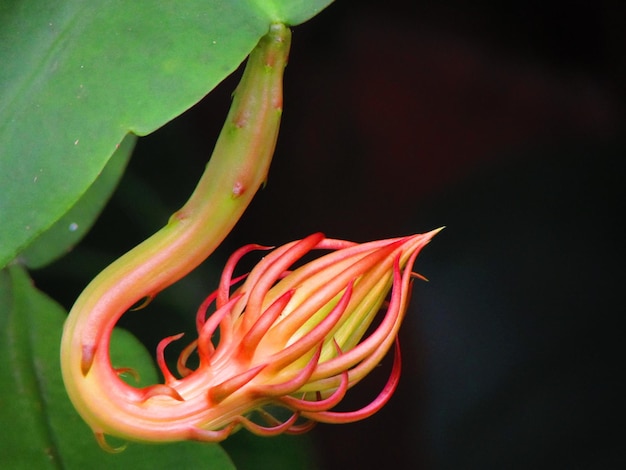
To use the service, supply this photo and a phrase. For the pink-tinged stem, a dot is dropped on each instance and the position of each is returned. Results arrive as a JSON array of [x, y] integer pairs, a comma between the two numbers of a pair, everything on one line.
[[236, 170]]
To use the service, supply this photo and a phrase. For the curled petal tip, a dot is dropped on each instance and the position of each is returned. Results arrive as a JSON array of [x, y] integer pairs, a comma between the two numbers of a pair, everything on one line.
[[104, 445], [167, 375], [208, 435], [267, 431], [294, 383], [320, 404], [160, 390], [120, 371], [301, 428], [143, 303], [419, 276], [88, 354], [338, 417]]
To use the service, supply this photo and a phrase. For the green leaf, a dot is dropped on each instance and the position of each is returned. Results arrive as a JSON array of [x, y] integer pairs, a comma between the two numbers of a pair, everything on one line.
[[292, 12], [78, 75], [40, 428], [268, 453], [69, 229]]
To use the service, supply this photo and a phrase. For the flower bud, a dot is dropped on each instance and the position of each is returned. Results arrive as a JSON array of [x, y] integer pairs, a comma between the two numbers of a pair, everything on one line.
[[291, 337]]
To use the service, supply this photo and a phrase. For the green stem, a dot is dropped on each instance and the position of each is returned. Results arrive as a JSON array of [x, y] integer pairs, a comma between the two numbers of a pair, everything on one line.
[[236, 170]]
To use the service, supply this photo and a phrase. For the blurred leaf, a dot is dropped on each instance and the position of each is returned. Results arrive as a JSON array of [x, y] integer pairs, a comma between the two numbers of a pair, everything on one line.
[[70, 228], [78, 75], [250, 452], [40, 428], [292, 12]]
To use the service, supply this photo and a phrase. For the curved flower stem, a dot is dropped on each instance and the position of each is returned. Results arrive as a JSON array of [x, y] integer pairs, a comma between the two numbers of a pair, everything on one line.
[[236, 170]]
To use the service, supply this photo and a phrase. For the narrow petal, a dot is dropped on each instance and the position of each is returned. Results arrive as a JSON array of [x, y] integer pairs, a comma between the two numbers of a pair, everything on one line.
[[319, 405], [375, 346], [160, 356], [295, 350], [205, 346], [226, 281], [273, 272], [325, 287], [207, 435], [181, 364], [219, 392], [104, 445], [380, 401], [267, 431], [293, 384], [253, 337], [160, 390]]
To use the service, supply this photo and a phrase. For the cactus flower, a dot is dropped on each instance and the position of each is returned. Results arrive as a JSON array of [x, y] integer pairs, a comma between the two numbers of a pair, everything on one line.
[[293, 338], [290, 337]]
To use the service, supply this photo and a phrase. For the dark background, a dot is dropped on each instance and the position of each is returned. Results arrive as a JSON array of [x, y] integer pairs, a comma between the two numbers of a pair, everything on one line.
[[502, 121]]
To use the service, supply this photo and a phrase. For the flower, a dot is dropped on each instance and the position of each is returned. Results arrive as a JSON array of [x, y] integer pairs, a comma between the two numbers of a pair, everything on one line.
[[292, 337], [288, 337]]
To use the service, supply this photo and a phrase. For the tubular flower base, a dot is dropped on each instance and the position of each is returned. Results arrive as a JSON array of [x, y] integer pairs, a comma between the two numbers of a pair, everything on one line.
[[293, 338]]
